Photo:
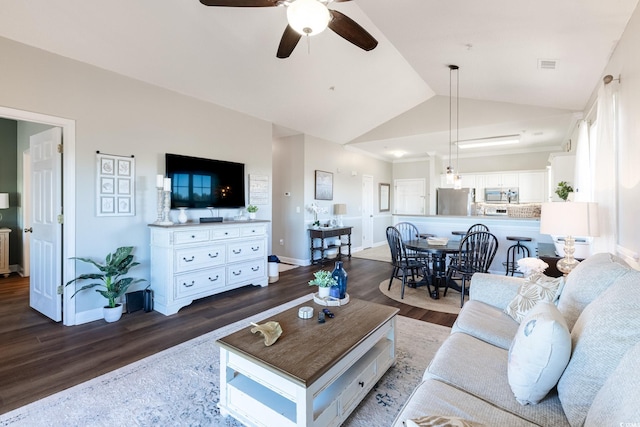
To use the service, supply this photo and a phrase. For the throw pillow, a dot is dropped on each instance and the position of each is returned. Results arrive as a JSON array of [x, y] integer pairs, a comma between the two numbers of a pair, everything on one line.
[[440, 421], [535, 288], [539, 353]]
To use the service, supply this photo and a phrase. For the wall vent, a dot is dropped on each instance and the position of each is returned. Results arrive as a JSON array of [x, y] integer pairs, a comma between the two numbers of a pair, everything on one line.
[[547, 64]]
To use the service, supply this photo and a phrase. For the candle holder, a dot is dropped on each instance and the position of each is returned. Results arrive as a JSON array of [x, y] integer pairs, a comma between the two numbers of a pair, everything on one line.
[[159, 205], [166, 207]]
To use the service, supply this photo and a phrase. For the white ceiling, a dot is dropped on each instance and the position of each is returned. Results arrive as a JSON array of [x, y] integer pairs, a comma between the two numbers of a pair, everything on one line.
[[379, 101]]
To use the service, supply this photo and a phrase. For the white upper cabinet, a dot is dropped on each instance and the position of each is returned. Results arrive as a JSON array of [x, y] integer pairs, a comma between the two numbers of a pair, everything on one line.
[[501, 180], [533, 186]]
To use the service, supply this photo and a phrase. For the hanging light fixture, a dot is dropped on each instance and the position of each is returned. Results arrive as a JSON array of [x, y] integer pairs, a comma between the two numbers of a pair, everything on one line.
[[457, 179], [450, 173], [308, 17]]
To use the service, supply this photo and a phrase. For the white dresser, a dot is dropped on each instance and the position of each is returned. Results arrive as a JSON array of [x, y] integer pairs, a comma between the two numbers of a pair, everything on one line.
[[4, 251], [191, 261]]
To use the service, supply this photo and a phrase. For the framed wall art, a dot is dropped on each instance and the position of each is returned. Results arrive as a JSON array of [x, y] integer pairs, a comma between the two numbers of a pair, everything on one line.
[[324, 185], [115, 192]]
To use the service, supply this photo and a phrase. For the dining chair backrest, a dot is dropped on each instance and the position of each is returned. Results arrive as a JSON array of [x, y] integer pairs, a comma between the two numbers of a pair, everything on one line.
[[477, 251], [394, 238], [477, 227], [407, 231]]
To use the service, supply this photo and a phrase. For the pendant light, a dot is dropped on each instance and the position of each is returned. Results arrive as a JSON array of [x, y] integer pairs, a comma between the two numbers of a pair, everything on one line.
[[450, 172], [457, 179]]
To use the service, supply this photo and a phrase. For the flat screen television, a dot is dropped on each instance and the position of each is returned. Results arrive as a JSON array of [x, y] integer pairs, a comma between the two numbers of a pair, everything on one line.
[[205, 183]]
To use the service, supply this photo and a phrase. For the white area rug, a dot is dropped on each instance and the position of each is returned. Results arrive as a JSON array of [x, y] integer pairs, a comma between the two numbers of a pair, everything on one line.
[[379, 253], [179, 386]]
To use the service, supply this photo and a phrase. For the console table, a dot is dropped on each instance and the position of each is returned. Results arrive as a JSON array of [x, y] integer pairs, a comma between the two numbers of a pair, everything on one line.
[[323, 233]]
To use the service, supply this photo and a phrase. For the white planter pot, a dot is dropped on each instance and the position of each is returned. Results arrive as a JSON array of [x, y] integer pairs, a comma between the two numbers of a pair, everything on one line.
[[112, 314], [323, 292], [182, 216], [252, 215]]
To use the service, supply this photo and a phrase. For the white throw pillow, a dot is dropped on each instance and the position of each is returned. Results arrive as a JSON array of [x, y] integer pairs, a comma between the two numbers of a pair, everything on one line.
[[534, 289], [539, 353]]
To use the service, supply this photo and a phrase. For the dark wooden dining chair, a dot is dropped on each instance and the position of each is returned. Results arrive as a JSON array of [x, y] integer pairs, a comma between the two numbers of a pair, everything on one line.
[[477, 227], [403, 266], [475, 255], [408, 232]]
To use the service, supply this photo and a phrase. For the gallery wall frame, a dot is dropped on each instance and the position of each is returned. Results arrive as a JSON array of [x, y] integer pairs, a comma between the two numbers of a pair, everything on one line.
[[385, 197], [323, 185], [115, 185]]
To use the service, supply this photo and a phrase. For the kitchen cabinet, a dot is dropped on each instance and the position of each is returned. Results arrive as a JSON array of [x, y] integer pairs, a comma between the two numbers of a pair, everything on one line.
[[194, 261], [501, 180], [533, 186], [468, 181]]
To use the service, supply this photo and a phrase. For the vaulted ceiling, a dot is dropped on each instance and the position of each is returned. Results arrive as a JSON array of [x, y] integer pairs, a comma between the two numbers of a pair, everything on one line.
[[393, 98]]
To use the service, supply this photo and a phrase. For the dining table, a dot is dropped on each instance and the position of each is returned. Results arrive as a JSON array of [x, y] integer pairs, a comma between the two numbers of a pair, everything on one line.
[[438, 256]]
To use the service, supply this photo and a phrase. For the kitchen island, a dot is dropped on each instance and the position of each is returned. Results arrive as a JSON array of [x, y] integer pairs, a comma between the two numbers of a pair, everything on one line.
[[500, 226]]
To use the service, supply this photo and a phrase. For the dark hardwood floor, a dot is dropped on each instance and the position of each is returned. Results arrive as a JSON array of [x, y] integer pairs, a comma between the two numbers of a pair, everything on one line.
[[39, 357]]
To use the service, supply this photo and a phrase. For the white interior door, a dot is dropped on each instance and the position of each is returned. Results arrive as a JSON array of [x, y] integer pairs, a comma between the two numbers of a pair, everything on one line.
[[367, 211], [46, 238]]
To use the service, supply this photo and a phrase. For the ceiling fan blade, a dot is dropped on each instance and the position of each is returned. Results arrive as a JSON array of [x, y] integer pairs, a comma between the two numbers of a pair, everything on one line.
[[240, 3], [349, 30], [288, 42]]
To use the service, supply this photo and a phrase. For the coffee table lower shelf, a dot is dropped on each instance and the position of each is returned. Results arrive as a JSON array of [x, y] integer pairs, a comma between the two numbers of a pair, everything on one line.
[[259, 396]]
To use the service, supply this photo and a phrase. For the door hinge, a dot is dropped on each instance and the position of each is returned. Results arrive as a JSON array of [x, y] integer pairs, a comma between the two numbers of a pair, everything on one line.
[[60, 290], [60, 149], [60, 219]]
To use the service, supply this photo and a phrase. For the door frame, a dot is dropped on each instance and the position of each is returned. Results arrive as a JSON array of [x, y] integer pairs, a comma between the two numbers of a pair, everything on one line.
[[68, 244]]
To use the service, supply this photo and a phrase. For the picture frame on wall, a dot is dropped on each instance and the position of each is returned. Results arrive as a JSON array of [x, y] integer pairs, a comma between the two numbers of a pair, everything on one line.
[[323, 185], [115, 195], [385, 197]]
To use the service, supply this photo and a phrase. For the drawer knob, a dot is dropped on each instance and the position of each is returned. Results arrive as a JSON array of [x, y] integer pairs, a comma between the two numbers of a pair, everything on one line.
[[237, 251], [255, 249], [214, 279], [188, 260], [189, 285], [237, 273], [255, 268], [214, 255], [193, 237], [361, 383]]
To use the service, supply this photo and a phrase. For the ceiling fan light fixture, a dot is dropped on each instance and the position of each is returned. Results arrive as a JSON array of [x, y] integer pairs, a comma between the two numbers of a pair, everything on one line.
[[308, 17]]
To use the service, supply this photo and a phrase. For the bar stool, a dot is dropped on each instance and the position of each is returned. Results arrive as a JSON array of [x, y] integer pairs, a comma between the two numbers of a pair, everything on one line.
[[515, 252]]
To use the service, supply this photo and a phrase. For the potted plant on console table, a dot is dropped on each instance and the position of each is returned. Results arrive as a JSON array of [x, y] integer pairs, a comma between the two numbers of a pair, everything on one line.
[[116, 265], [252, 209]]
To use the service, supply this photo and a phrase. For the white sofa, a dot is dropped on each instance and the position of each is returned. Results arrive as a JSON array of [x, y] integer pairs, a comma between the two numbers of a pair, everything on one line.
[[467, 379]]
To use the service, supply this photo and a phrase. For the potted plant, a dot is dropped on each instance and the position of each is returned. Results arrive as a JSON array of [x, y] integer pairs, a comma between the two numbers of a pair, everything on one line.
[[252, 209], [324, 281], [110, 279], [563, 189]]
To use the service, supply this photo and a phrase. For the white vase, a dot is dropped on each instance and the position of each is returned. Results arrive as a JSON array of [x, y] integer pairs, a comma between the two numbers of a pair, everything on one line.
[[112, 314], [252, 215], [323, 292], [182, 216]]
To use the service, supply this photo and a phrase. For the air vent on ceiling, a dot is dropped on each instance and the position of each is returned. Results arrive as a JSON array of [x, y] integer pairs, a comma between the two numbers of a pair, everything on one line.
[[547, 64]]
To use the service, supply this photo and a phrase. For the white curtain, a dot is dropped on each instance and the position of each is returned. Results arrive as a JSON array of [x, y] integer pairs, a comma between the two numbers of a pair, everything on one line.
[[604, 184], [582, 185]]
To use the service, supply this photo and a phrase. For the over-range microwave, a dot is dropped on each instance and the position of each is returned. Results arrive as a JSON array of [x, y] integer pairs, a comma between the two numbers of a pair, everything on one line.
[[501, 195]]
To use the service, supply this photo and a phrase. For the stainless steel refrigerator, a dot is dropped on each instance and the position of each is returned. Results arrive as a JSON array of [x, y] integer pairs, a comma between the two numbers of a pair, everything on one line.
[[455, 202]]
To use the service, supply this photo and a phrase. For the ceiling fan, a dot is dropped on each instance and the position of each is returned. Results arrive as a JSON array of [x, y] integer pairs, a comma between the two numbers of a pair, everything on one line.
[[307, 17]]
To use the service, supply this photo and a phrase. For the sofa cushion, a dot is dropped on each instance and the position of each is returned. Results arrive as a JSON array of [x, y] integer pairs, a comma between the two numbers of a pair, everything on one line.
[[486, 323], [432, 397], [480, 369], [587, 281], [617, 402], [535, 289], [493, 289], [603, 333], [539, 353]]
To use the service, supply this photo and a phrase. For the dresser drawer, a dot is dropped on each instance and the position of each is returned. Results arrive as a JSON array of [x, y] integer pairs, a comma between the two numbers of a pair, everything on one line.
[[246, 271], [351, 396], [189, 259], [194, 236], [224, 233], [258, 230], [186, 285], [244, 250]]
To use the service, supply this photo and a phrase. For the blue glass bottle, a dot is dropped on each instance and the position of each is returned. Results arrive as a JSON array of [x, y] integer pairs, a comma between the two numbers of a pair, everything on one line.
[[340, 275]]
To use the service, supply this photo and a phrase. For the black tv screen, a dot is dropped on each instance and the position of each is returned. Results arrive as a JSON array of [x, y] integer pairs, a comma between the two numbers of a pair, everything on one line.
[[204, 183]]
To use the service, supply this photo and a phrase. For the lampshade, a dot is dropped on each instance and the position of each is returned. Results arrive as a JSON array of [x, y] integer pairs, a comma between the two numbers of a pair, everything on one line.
[[4, 200], [569, 219], [340, 209], [308, 17]]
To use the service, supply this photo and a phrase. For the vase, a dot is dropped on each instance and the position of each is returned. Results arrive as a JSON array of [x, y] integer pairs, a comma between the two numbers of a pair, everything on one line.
[[182, 216], [324, 291], [334, 292], [252, 215], [340, 274], [112, 314]]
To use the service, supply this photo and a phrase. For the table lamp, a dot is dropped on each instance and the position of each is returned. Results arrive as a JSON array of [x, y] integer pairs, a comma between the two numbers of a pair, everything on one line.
[[339, 209], [4, 202], [569, 219]]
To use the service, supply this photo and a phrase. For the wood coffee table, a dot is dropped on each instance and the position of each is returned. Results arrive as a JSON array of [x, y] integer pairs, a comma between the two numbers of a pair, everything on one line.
[[315, 374]]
